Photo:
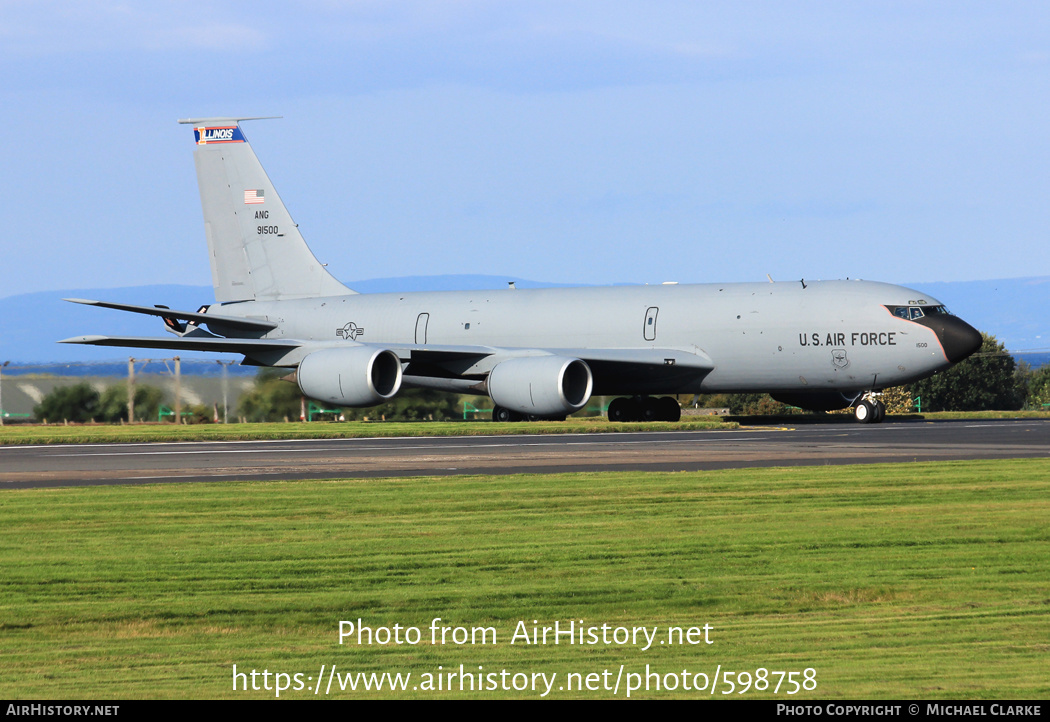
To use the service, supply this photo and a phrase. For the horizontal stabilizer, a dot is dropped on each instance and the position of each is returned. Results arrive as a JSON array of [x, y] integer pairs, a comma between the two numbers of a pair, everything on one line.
[[213, 121], [248, 324]]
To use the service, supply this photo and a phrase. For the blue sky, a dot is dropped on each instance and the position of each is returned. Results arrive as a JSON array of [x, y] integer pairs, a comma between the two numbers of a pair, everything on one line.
[[590, 142]]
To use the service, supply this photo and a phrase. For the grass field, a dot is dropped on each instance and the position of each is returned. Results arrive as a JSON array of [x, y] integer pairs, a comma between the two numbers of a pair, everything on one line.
[[12, 434], [893, 581]]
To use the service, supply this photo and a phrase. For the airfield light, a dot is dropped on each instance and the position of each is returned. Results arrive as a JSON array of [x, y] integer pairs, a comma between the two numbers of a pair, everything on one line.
[[5, 363], [225, 386]]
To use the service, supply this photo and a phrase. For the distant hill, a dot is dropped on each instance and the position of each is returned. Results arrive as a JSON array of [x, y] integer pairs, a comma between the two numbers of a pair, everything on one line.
[[1015, 310]]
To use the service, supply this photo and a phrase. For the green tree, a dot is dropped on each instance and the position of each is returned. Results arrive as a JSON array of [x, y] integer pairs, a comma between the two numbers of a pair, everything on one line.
[[113, 405], [69, 403], [983, 382], [271, 399]]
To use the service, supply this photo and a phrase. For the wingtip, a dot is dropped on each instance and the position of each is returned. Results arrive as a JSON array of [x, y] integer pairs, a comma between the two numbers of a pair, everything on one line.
[[82, 339]]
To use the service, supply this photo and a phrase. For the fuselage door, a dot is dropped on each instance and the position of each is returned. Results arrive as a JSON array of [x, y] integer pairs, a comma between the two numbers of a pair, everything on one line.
[[421, 328], [649, 331]]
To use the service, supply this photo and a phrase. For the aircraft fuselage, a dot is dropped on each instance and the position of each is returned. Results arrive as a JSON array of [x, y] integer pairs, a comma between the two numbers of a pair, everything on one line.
[[787, 337]]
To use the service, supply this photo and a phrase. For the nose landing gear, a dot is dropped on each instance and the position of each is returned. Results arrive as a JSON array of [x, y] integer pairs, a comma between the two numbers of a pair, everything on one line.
[[869, 410]]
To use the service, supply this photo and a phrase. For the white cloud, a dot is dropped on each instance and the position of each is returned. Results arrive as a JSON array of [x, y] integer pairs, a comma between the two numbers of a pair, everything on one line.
[[39, 29], [212, 36]]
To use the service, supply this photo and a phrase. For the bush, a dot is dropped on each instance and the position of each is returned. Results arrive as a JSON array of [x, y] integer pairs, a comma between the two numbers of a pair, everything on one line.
[[897, 400], [756, 405], [79, 403], [414, 405], [1038, 388]]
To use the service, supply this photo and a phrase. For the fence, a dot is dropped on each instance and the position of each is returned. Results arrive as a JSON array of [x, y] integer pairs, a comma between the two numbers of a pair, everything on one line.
[[201, 382]]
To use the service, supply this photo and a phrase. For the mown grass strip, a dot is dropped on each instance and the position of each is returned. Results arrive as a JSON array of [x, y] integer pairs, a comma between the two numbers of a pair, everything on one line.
[[24, 434], [892, 581], [101, 433]]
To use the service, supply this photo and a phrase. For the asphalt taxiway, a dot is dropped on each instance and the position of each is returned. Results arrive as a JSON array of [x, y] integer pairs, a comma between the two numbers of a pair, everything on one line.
[[846, 443]]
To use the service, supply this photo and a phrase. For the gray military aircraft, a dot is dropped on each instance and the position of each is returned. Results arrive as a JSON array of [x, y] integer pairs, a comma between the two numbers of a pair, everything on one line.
[[536, 353]]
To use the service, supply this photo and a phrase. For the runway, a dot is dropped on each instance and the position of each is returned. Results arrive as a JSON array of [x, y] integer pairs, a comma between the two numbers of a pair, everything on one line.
[[847, 443]]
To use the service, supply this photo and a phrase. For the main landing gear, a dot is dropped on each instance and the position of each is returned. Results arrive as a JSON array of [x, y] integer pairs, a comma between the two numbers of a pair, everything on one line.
[[637, 408], [501, 414], [869, 410], [645, 408]]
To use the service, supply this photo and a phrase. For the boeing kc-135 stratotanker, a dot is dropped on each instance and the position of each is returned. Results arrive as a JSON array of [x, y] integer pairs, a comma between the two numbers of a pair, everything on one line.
[[538, 353]]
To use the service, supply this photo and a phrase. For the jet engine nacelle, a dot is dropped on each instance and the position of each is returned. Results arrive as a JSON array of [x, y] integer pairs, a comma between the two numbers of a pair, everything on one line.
[[541, 385], [356, 376]]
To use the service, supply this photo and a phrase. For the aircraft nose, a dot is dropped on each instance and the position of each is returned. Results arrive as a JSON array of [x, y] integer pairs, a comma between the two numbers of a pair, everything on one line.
[[958, 338]]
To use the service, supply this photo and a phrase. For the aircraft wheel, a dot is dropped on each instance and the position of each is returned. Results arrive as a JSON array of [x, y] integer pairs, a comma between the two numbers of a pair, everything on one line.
[[650, 408], [880, 413], [669, 410], [501, 414], [621, 410], [864, 412]]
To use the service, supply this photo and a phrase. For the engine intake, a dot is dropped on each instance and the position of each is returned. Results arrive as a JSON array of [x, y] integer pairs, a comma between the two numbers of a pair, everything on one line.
[[541, 385], [357, 376]]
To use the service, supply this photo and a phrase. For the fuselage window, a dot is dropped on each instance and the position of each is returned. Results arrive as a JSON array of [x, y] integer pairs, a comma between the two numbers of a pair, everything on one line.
[[914, 313]]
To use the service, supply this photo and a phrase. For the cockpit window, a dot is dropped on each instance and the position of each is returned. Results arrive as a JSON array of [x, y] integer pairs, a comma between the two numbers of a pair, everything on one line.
[[914, 313]]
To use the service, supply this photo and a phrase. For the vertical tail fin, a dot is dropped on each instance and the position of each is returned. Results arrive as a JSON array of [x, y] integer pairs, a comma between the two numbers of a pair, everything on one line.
[[256, 250]]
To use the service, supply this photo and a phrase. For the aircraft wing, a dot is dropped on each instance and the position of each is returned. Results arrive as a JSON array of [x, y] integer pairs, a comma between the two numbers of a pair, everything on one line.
[[451, 368], [429, 354], [292, 350], [681, 358], [648, 370], [464, 368], [190, 343], [433, 353]]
